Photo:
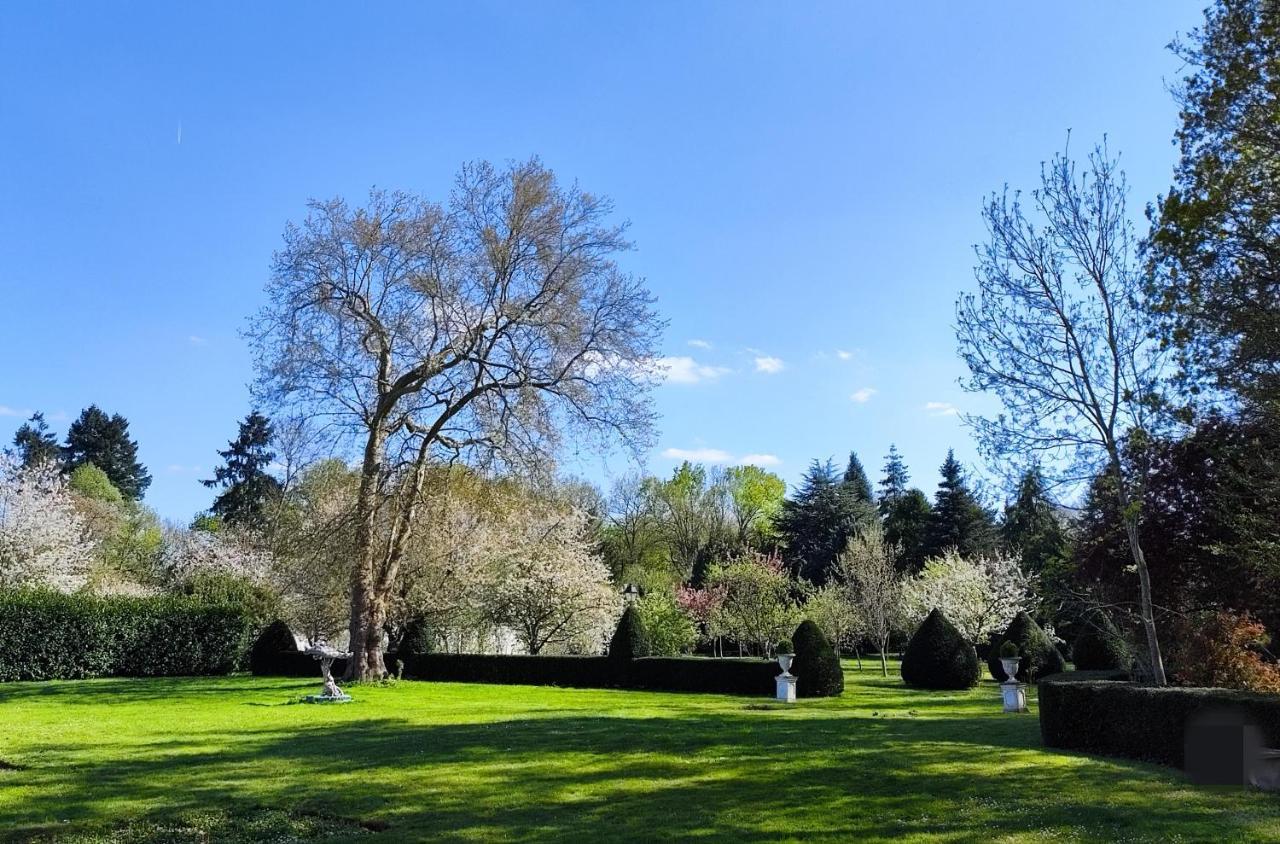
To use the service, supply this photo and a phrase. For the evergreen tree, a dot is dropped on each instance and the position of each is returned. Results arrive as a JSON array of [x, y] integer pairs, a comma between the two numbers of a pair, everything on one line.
[[816, 524], [247, 488], [1031, 527], [855, 480], [893, 485], [906, 526], [34, 443], [958, 520], [104, 441]]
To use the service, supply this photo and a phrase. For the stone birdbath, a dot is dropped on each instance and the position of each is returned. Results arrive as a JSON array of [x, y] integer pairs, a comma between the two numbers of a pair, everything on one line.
[[325, 655]]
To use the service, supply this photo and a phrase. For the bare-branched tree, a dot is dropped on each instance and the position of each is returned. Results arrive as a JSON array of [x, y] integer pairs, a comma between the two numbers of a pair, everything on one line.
[[1059, 332], [487, 331]]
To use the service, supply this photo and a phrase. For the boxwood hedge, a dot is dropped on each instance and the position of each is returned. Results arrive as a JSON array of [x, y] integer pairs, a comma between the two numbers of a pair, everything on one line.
[[47, 635]]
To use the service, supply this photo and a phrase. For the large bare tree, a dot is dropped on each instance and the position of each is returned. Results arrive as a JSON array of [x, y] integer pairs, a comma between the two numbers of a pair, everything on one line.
[[486, 330], [1059, 332]]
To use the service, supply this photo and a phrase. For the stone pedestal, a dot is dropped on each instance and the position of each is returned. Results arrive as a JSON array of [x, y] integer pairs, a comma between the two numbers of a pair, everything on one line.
[[786, 687], [1015, 696]]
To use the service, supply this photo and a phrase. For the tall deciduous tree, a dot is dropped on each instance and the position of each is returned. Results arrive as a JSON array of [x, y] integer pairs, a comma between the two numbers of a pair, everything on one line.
[[755, 498], [94, 437], [34, 443], [482, 331], [958, 520], [693, 519], [867, 572], [247, 487], [1059, 332]]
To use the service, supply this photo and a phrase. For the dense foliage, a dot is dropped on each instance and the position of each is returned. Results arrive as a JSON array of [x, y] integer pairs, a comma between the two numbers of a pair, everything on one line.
[[939, 657], [1039, 656], [816, 663], [94, 437]]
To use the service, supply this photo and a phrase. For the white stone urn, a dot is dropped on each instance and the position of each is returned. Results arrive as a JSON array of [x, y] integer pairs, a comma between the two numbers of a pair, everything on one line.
[[1010, 666], [784, 662]]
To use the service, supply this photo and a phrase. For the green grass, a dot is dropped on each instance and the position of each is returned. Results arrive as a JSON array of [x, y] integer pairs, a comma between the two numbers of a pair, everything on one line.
[[232, 759]]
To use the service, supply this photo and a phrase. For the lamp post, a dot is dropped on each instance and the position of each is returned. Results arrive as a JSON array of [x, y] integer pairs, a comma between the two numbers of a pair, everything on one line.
[[630, 593]]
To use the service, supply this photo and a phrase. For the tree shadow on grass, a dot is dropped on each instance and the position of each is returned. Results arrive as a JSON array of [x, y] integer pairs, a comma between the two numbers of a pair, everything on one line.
[[743, 776]]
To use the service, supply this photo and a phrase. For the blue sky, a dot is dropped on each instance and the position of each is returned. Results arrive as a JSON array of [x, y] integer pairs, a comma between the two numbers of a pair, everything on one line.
[[803, 184]]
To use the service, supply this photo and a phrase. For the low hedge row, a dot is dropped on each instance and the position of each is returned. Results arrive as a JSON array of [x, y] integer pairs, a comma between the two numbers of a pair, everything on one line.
[[47, 635], [672, 674], [1139, 722]]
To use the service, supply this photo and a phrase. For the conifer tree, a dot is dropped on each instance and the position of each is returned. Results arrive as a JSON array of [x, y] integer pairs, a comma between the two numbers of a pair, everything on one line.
[[855, 480], [906, 527], [958, 520], [34, 443], [104, 441], [1031, 527], [247, 488], [894, 483], [816, 524]]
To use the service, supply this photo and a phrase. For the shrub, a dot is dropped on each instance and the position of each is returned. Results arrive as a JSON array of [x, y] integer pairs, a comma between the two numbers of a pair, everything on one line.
[[52, 636], [1101, 647], [667, 627], [416, 638], [1039, 656], [629, 640], [91, 482], [785, 647], [938, 657], [816, 663], [1218, 649], [275, 651], [1008, 650], [1139, 722]]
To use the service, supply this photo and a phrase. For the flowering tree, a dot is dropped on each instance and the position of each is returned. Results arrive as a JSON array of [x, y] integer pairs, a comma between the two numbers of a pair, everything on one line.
[[866, 573], [831, 608], [42, 540], [757, 608], [701, 605], [980, 595], [550, 587]]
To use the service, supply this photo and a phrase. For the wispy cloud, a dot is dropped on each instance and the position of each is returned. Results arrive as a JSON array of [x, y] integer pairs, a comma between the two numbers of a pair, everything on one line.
[[13, 411], [700, 344], [197, 340], [682, 369], [719, 456], [844, 355], [179, 469], [769, 364], [863, 395], [941, 408]]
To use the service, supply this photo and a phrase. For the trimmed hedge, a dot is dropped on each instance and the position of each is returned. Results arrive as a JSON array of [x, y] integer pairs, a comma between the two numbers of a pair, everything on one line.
[[1139, 722], [1040, 657], [938, 657], [630, 639], [673, 674], [275, 651], [47, 635], [1100, 647], [816, 663]]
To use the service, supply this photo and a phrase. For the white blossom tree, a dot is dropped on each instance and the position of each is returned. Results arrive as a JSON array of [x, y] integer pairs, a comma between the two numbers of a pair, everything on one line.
[[866, 573], [42, 539], [980, 595]]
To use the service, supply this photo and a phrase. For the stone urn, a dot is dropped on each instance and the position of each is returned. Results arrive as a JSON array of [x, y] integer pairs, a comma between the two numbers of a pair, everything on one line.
[[1010, 666], [784, 662]]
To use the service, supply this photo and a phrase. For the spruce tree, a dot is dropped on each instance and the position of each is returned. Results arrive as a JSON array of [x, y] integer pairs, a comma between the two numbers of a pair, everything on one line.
[[34, 443], [104, 441], [958, 520], [1031, 526], [893, 485], [247, 488], [906, 526], [816, 524], [855, 480]]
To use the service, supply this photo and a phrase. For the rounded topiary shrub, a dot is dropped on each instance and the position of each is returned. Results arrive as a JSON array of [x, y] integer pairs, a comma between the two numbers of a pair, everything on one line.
[[1100, 647], [938, 657], [1040, 657], [816, 664], [275, 651], [630, 639]]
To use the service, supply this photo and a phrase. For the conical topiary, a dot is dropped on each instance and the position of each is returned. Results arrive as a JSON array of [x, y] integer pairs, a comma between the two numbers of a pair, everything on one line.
[[630, 640], [417, 638], [938, 657], [273, 653], [1040, 657], [816, 664], [1101, 647]]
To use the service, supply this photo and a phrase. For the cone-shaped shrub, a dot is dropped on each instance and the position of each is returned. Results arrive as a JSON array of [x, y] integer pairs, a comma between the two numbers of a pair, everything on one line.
[[275, 651], [816, 663], [417, 638], [938, 657], [1040, 657], [630, 639], [1100, 647]]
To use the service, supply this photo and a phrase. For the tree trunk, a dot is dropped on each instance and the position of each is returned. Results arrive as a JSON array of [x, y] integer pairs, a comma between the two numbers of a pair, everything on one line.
[[884, 664], [368, 606], [1146, 607]]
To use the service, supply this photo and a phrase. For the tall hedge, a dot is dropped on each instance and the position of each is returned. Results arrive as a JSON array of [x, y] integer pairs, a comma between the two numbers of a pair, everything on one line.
[[1101, 647], [630, 641], [939, 657], [816, 664], [1040, 657], [47, 635]]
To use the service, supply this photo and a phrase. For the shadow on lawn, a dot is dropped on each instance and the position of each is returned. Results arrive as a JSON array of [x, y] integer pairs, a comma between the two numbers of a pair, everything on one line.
[[744, 776]]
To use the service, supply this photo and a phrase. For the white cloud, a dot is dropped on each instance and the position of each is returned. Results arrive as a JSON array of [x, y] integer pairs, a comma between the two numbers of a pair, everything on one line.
[[698, 455], [769, 364], [719, 456], [863, 395], [196, 340], [179, 469], [12, 411], [682, 369], [941, 408], [700, 344], [843, 355]]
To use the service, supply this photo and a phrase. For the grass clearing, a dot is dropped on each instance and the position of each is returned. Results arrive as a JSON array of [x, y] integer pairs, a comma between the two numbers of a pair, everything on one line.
[[231, 759]]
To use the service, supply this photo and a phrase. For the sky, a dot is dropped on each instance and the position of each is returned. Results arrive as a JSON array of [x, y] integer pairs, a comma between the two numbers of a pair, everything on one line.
[[803, 184]]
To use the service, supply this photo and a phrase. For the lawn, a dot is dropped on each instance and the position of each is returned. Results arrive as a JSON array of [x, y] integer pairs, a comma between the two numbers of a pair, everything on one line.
[[233, 759]]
